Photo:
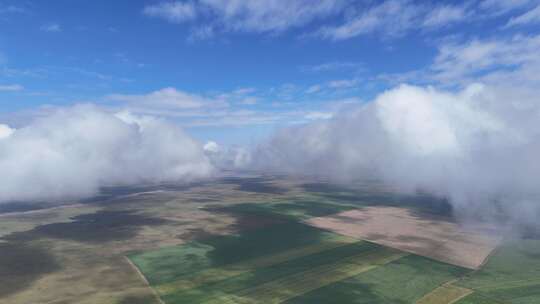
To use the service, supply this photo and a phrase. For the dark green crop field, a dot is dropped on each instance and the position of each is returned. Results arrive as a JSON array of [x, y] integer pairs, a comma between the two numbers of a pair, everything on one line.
[[289, 262]]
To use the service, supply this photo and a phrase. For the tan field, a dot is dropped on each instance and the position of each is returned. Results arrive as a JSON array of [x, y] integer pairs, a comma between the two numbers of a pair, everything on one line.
[[400, 228]]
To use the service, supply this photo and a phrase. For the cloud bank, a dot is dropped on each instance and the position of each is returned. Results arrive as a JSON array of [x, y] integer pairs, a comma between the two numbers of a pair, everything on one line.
[[478, 147], [73, 151]]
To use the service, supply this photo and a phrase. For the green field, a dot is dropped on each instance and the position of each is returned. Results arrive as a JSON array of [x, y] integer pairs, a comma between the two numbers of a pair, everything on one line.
[[402, 281], [289, 262], [512, 275]]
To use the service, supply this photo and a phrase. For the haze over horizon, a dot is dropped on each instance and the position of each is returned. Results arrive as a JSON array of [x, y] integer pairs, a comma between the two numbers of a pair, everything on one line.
[[442, 96]]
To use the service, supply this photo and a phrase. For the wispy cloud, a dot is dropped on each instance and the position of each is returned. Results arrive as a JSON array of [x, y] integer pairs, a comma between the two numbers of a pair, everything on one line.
[[530, 17], [476, 58], [167, 98], [51, 28], [12, 9], [175, 11], [11, 88], [498, 7], [391, 18], [245, 16], [333, 66], [445, 15], [505, 61]]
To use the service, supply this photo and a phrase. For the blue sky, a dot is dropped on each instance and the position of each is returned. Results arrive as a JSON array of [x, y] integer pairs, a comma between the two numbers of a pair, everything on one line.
[[232, 71]]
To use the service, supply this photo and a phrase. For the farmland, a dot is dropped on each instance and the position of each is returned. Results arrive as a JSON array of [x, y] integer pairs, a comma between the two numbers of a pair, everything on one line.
[[512, 275], [248, 240], [304, 264]]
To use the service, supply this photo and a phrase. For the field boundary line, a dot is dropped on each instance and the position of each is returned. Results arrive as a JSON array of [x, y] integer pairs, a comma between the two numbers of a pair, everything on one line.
[[503, 284], [297, 284], [145, 281]]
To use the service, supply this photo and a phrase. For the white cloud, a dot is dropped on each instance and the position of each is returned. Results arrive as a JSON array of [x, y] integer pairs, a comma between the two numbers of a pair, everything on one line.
[[267, 16], [318, 115], [168, 98], [445, 15], [174, 11], [249, 101], [11, 88], [74, 151], [51, 28], [212, 147], [204, 32], [5, 131], [245, 16], [333, 66], [391, 17], [343, 83], [530, 17], [244, 91], [314, 89], [11, 9], [498, 7], [478, 147], [234, 157], [515, 59]]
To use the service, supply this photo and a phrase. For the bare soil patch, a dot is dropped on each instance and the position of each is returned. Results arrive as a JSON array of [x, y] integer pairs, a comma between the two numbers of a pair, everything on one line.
[[436, 238]]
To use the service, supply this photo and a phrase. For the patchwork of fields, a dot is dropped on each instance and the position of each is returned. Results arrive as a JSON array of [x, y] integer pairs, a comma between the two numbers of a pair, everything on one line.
[[512, 275], [249, 240], [290, 263]]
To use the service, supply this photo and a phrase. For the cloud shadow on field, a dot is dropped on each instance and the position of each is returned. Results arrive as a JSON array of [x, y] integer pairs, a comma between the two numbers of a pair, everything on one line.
[[21, 264], [255, 184], [102, 226], [420, 204]]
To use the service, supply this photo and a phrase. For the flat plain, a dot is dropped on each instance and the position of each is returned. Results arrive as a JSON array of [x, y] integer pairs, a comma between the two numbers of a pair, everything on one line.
[[243, 239]]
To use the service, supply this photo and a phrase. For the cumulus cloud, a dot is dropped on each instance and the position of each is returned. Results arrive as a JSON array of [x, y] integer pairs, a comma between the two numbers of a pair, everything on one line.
[[475, 144], [74, 151], [478, 147], [5, 131], [233, 157]]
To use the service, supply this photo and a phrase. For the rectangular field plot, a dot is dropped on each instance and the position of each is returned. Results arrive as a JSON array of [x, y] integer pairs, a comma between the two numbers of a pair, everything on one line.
[[511, 275], [445, 294], [436, 238], [282, 263], [403, 281]]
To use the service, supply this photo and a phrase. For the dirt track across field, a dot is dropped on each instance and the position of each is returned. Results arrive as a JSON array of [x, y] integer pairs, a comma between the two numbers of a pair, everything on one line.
[[400, 228]]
